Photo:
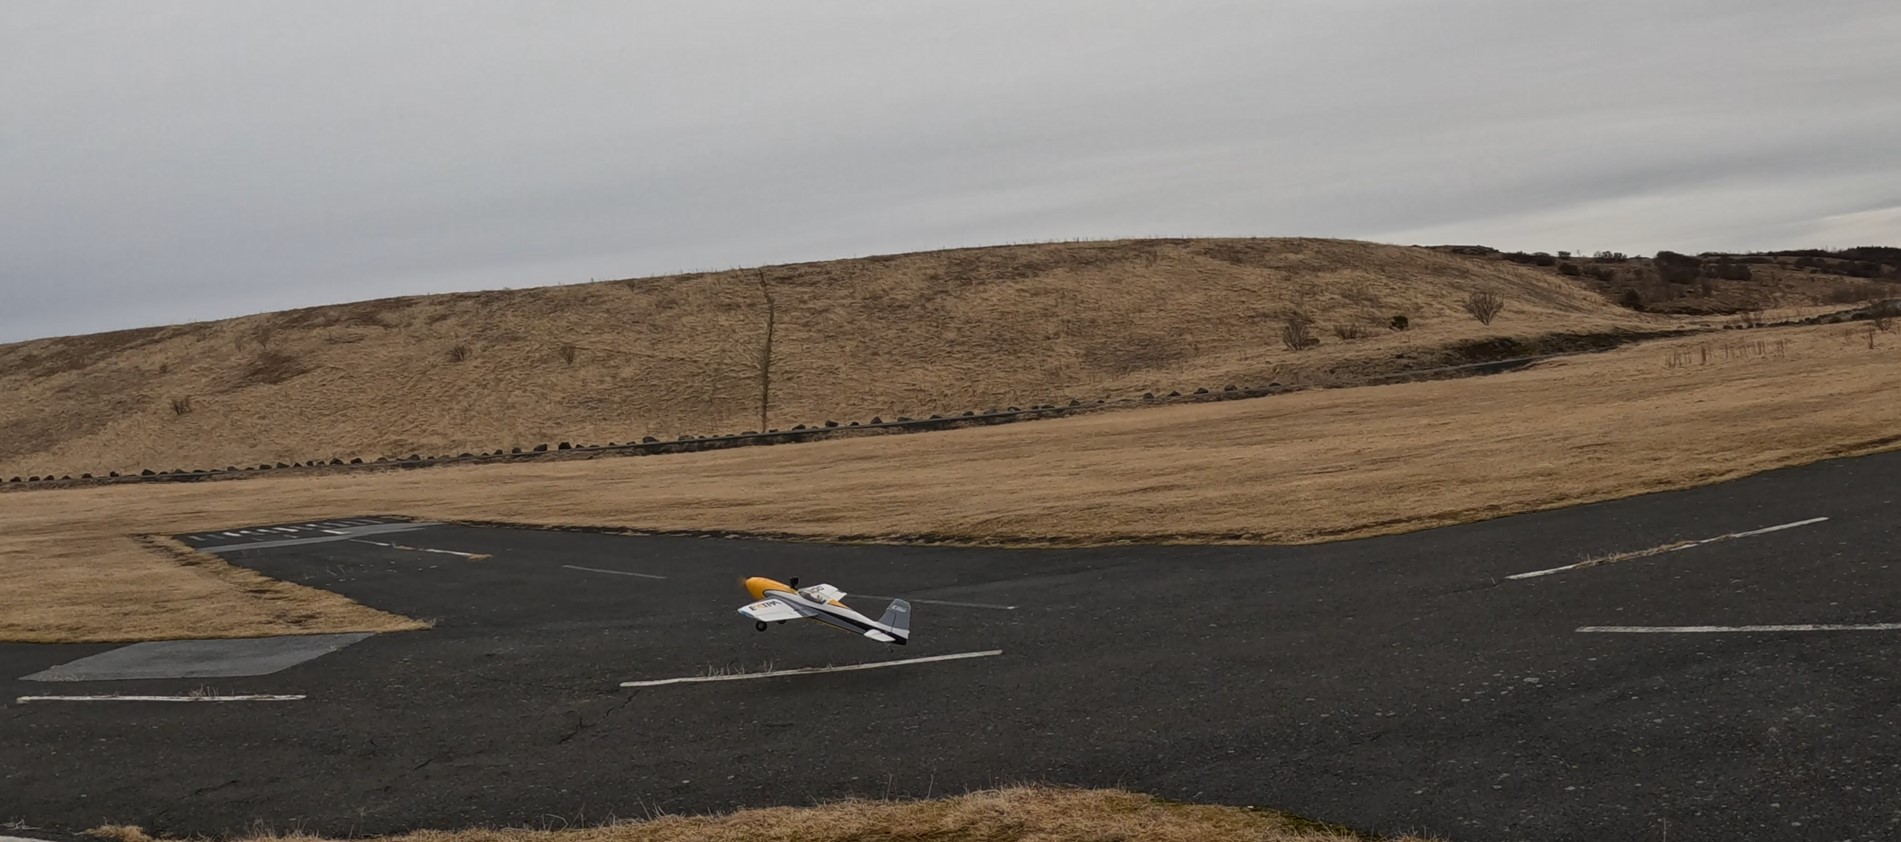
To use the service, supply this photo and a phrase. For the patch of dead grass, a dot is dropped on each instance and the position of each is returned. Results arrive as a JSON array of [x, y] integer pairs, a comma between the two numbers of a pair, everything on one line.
[[1042, 814], [904, 335]]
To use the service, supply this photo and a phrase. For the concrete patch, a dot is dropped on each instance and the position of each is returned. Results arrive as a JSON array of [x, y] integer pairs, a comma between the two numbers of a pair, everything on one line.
[[198, 658]]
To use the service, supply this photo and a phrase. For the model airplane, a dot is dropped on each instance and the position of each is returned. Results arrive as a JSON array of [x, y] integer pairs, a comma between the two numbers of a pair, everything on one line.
[[779, 602]]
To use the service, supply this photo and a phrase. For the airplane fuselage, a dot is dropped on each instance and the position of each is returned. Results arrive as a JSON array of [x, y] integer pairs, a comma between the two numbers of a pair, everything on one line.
[[830, 612]]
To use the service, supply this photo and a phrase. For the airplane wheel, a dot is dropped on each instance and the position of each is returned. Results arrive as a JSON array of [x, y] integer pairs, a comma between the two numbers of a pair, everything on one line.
[[760, 626]]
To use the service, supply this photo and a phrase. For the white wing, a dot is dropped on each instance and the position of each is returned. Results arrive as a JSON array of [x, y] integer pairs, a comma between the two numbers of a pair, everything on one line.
[[824, 593], [771, 611]]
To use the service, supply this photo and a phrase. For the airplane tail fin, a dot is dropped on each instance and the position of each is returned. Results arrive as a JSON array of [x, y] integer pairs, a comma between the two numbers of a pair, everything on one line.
[[898, 618]]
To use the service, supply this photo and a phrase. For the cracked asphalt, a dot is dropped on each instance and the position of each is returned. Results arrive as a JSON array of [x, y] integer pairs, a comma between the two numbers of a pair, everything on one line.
[[1394, 684]]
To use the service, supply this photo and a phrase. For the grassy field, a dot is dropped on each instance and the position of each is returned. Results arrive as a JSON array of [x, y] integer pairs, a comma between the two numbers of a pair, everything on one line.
[[1303, 467], [915, 334], [1018, 813]]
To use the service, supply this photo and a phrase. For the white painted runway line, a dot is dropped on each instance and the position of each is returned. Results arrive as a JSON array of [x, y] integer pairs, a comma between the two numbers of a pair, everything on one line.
[[695, 679], [939, 602], [118, 698], [1666, 548], [477, 556], [615, 572], [1721, 629]]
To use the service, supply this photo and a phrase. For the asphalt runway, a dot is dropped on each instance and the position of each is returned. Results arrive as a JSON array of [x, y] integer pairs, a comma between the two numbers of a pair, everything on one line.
[[1395, 684]]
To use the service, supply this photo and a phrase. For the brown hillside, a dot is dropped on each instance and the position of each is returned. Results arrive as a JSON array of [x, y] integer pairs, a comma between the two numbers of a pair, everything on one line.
[[882, 336]]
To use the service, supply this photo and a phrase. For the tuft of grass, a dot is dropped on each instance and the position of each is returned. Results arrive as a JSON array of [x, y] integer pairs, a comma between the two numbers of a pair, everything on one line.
[[181, 405], [458, 353], [1028, 812]]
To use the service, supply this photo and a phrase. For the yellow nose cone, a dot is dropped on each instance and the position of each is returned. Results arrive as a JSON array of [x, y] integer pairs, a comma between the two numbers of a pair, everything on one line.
[[758, 585]]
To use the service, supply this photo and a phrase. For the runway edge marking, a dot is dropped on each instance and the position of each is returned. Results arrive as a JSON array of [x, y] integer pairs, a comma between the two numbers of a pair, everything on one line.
[[119, 698], [810, 670], [1667, 548], [615, 572], [1798, 627]]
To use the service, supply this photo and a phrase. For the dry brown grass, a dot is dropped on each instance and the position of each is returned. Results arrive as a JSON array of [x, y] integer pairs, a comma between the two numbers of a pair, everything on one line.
[[145, 587], [1031, 814], [940, 332], [1302, 467]]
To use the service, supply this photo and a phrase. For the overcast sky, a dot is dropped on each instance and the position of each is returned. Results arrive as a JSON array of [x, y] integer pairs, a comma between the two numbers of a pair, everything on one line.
[[173, 161]]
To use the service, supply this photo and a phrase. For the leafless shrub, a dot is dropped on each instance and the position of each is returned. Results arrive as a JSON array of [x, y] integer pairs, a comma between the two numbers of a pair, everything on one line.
[[458, 353], [1484, 306], [1350, 331], [181, 405], [567, 352], [1297, 331], [1749, 318]]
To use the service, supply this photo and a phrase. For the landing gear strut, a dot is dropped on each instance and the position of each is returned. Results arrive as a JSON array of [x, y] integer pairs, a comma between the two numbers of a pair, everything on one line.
[[760, 626]]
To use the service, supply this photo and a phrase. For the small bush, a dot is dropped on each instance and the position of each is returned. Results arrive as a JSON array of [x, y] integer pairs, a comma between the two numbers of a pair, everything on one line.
[[1484, 306], [1632, 299], [1297, 332], [181, 406], [1349, 331], [1543, 259], [567, 352], [1400, 322], [1569, 268], [458, 353]]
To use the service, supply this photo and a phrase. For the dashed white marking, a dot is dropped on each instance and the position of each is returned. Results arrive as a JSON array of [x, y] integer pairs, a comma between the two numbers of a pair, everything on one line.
[[194, 537], [810, 670], [615, 572], [229, 534], [1667, 548], [118, 698], [417, 549], [943, 602], [1719, 629]]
